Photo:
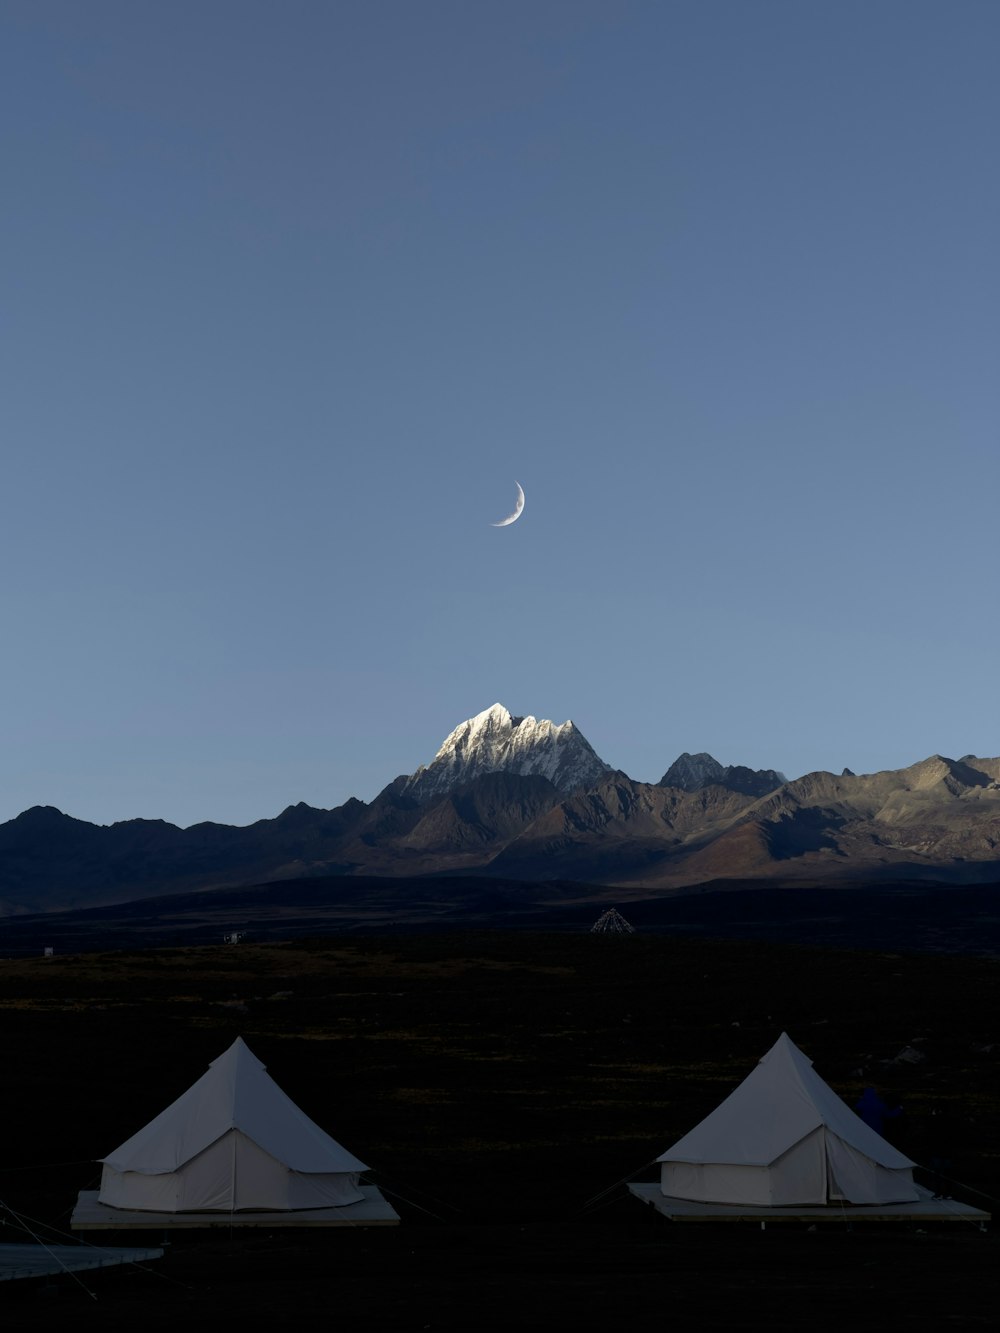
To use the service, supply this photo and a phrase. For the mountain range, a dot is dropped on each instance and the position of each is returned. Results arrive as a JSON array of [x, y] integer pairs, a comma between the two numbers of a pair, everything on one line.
[[523, 799]]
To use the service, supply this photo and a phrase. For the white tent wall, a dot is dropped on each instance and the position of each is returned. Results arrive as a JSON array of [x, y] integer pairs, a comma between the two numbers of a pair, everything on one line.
[[704, 1183], [322, 1191], [231, 1175], [152, 1194], [798, 1176], [855, 1178]]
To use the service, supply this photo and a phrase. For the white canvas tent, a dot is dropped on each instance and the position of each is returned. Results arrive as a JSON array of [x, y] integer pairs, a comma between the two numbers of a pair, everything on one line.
[[784, 1138], [234, 1141]]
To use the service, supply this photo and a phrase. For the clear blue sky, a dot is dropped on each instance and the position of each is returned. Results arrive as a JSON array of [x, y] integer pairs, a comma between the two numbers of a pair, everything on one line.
[[293, 293]]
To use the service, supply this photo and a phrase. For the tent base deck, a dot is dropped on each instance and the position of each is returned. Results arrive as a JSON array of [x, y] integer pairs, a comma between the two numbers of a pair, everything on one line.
[[924, 1209], [27, 1261], [371, 1211]]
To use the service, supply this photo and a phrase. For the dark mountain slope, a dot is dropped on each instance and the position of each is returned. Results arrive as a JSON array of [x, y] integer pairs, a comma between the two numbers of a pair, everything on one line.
[[936, 819]]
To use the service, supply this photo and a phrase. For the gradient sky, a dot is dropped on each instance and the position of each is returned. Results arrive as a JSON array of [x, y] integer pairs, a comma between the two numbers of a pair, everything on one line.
[[292, 293]]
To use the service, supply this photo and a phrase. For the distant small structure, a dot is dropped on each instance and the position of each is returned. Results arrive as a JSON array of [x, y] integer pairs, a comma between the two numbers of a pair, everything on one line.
[[612, 922], [234, 937], [48, 951]]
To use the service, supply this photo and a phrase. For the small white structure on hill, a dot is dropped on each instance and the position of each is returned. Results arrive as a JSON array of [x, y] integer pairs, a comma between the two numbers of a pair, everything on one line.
[[612, 922], [233, 1142], [784, 1138]]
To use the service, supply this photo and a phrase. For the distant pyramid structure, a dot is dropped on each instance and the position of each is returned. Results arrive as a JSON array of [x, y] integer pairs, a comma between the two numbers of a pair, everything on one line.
[[612, 922]]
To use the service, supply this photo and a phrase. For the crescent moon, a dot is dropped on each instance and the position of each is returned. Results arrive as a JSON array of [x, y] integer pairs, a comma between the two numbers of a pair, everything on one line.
[[512, 518]]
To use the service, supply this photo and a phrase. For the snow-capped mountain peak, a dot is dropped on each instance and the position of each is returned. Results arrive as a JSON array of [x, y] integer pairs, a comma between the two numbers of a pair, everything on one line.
[[496, 741]]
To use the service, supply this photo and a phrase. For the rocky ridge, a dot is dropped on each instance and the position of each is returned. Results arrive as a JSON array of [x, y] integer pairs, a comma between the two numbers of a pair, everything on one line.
[[692, 772], [525, 800]]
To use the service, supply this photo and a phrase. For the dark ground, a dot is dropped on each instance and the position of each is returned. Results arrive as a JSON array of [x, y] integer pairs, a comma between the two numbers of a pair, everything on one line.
[[896, 916], [498, 1081]]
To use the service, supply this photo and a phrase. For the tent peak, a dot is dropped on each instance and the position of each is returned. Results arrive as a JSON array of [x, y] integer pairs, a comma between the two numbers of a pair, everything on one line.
[[237, 1054], [785, 1046]]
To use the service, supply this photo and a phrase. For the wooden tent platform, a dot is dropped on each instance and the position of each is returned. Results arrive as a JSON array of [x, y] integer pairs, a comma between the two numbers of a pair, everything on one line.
[[25, 1261], [924, 1209], [371, 1211]]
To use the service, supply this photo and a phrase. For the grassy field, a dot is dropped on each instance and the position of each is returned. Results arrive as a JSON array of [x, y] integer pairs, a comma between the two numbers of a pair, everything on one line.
[[497, 1082]]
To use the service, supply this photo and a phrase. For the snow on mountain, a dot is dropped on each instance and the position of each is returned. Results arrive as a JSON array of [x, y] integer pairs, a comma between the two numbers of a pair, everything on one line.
[[495, 741]]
